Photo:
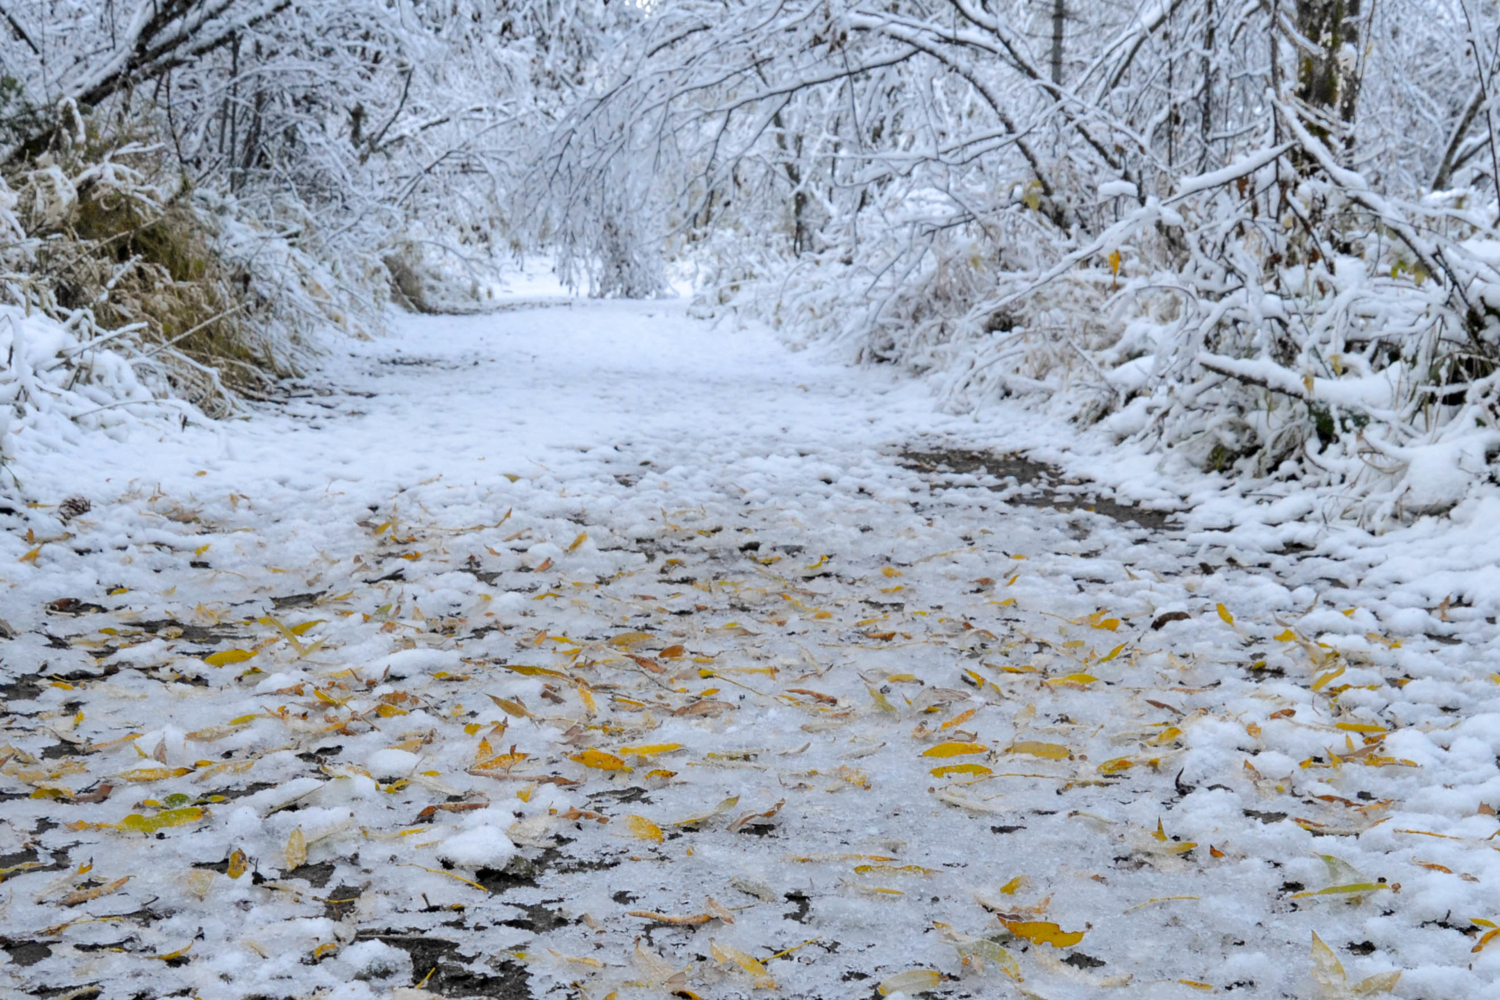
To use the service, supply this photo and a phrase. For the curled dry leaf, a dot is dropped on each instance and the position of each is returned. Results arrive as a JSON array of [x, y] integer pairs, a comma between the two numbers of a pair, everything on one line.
[[718, 810], [670, 918], [754, 817], [85, 895]]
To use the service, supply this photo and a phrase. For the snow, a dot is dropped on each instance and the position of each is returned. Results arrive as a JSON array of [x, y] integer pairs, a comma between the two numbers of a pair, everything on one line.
[[585, 526]]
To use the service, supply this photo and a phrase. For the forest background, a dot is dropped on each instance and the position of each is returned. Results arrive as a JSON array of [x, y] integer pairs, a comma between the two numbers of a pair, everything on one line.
[[1258, 237]]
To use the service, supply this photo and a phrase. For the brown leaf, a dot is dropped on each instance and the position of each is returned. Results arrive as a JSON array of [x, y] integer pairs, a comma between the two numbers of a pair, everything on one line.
[[748, 817], [85, 895], [452, 807], [97, 795], [575, 813], [648, 663], [669, 918], [707, 706]]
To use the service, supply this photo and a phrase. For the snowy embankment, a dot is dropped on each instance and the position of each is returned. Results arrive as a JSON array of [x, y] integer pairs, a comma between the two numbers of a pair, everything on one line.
[[593, 645]]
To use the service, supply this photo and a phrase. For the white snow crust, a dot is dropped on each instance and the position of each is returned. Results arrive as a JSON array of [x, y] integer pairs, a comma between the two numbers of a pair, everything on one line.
[[549, 539]]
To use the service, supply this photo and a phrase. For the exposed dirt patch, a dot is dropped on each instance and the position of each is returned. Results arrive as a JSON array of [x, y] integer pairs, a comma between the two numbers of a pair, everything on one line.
[[1050, 483]]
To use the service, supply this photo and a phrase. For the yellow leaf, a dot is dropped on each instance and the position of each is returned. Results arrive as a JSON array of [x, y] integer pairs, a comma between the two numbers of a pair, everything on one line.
[[155, 773], [511, 708], [958, 719], [31, 556], [938, 772], [1195, 984], [650, 749], [1113, 653], [1325, 679], [532, 671], [1165, 736], [1287, 636], [881, 701], [301, 630], [1360, 727], [227, 656], [643, 829], [1382, 982], [890, 571], [1074, 680], [1043, 932], [169, 956], [1344, 890], [911, 981], [136, 823], [631, 638], [1051, 751], [600, 759], [661, 773], [583, 536], [751, 964], [955, 749], [1019, 882], [1224, 614], [238, 864], [296, 849], [1114, 262], [1327, 970], [1486, 939], [1108, 624], [202, 549], [500, 762], [1116, 766]]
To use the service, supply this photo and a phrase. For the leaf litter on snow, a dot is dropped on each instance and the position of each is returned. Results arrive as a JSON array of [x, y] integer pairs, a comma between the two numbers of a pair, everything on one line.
[[523, 749]]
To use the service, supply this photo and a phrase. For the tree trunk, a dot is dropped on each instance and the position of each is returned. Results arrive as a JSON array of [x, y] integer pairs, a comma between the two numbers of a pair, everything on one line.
[[1059, 16], [1328, 79]]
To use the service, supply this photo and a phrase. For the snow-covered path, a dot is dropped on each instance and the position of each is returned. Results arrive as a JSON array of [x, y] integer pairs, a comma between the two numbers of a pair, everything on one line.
[[588, 650]]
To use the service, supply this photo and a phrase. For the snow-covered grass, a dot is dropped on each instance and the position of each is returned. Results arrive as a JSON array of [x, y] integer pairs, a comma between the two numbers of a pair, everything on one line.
[[511, 636]]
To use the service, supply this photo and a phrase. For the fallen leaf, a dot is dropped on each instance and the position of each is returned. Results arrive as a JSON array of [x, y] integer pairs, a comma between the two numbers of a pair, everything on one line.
[[631, 638], [1051, 751], [751, 964], [643, 829], [85, 895], [910, 981], [600, 759], [1043, 932], [296, 849], [955, 749], [136, 823]]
